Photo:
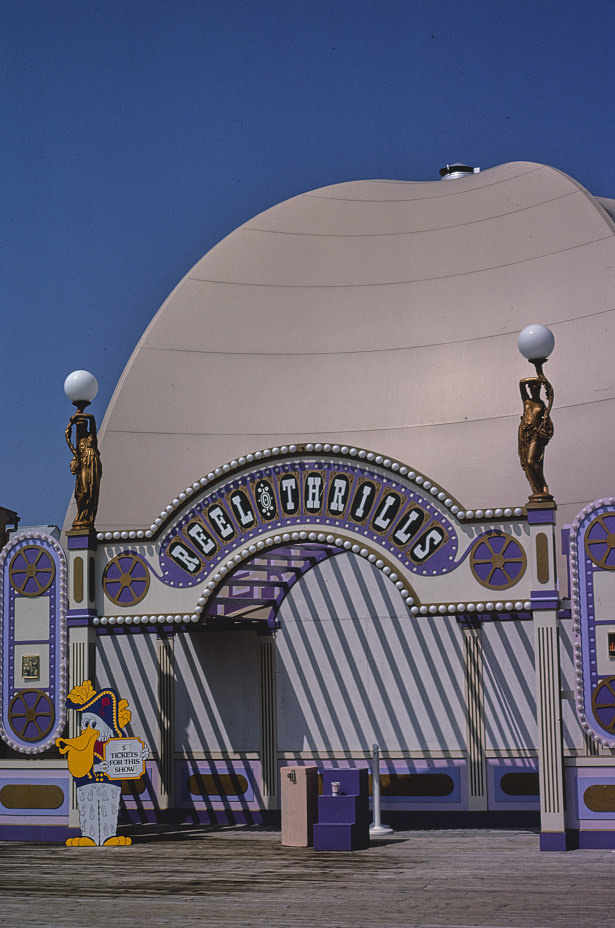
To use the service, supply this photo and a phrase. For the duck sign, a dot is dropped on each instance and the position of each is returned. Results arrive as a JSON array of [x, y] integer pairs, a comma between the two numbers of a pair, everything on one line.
[[99, 758]]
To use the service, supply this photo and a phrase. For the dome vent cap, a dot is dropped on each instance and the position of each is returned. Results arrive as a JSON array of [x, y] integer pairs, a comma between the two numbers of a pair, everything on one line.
[[453, 171]]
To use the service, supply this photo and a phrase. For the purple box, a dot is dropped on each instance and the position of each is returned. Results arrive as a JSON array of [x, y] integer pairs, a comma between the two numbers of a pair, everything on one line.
[[353, 781], [340, 837], [342, 809], [343, 819]]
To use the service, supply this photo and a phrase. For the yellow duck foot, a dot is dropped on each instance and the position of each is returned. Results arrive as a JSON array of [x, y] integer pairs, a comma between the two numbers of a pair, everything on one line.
[[118, 841], [80, 842]]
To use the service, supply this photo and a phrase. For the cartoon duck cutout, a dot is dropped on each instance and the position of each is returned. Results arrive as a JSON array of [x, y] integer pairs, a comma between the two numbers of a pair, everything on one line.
[[103, 717]]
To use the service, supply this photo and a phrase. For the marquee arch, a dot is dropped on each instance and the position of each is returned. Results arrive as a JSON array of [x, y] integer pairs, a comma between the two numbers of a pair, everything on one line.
[[227, 536]]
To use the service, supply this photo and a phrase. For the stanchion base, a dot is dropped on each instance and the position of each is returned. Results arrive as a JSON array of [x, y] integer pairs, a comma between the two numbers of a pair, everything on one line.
[[376, 830]]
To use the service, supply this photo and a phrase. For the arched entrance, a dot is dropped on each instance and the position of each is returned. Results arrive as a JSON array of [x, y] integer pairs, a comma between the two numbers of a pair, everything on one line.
[[307, 599]]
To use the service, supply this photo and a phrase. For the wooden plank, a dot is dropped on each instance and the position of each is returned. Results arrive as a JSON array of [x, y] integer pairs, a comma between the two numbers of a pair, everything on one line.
[[243, 876]]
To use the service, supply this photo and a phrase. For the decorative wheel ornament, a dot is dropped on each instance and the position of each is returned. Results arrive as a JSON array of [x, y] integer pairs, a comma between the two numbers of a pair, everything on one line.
[[31, 715], [497, 561], [126, 579], [600, 541], [603, 704], [32, 571]]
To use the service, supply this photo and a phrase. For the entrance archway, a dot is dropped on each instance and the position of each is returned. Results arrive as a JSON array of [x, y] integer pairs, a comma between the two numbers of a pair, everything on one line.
[[236, 549]]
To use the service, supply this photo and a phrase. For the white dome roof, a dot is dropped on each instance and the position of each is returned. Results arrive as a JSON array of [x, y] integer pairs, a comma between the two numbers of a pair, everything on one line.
[[381, 314]]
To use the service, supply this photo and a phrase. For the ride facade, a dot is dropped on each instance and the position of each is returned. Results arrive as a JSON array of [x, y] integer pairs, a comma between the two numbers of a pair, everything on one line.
[[313, 534]]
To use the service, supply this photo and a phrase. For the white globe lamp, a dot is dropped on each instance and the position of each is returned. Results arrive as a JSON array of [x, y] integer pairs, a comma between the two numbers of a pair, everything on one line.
[[536, 342], [81, 387]]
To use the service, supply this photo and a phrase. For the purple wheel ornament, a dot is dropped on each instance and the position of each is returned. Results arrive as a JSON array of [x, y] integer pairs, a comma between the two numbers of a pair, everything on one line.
[[497, 561], [32, 571], [600, 541], [603, 704], [126, 579], [31, 715]]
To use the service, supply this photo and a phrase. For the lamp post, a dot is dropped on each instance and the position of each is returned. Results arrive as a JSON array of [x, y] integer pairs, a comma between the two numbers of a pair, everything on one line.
[[536, 342], [81, 387]]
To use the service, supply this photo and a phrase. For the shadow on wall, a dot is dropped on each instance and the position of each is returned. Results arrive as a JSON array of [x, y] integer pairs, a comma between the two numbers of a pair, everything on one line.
[[355, 668], [218, 725]]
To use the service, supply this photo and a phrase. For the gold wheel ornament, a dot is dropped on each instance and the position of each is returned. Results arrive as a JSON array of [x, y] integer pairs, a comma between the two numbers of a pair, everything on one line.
[[31, 715], [498, 561], [126, 579], [32, 571], [603, 704], [600, 541]]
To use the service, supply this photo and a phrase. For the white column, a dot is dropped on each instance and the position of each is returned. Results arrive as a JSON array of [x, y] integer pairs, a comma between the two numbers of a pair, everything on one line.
[[269, 727], [165, 647], [545, 602], [81, 667], [551, 773], [475, 719]]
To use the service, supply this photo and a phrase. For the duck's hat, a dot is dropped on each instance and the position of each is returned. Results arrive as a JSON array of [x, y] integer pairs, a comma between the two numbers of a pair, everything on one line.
[[103, 704]]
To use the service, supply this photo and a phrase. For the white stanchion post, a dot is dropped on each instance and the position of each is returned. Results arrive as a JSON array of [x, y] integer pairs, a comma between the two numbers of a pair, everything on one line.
[[377, 828]]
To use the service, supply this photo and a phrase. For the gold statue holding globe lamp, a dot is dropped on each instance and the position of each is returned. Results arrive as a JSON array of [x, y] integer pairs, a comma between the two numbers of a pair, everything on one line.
[[536, 343]]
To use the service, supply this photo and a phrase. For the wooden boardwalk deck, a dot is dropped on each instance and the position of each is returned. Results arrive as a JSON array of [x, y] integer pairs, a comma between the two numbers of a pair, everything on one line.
[[243, 877]]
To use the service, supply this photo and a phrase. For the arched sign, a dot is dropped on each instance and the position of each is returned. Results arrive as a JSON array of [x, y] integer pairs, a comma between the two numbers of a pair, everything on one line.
[[312, 491], [331, 496]]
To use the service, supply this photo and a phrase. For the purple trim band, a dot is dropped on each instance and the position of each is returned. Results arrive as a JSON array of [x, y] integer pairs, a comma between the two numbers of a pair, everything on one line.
[[565, 536], [72, 614], [544, 599], [596, 840], [161, 631], [56, 834], [193, 817], [541, 517], [81, 542], [556, 841], [475, 619]]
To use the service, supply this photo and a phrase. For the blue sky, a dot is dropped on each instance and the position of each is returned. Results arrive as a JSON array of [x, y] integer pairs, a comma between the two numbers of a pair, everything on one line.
[[138, 134]]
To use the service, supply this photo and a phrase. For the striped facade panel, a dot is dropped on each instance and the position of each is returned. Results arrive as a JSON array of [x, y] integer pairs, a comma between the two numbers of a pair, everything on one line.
[[509, 687], [129, 664], [354, 668], [217, 692]]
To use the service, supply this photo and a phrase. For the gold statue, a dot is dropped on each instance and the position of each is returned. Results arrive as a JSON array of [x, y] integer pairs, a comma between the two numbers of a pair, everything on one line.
[[86, 467], [535, 432]]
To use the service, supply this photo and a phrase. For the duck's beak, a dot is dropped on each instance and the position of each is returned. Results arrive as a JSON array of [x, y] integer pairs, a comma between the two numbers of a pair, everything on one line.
[[80, 751]]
